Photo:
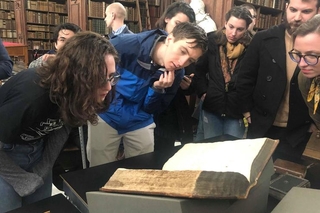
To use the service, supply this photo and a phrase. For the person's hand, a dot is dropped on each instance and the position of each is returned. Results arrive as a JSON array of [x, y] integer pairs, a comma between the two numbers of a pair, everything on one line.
[[203, 96], [45, 57], [186, 81], [166, 80], [247, 116]]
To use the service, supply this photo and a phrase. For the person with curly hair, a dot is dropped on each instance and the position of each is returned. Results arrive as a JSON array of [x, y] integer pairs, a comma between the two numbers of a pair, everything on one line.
[[39, 106]]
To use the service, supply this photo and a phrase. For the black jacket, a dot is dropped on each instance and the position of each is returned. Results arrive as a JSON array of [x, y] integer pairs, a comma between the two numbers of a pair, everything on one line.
[[209, 79], [262, 82]]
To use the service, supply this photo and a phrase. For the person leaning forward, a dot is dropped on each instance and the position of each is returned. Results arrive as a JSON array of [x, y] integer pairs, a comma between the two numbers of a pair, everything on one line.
[[38, 107], [151, 72]]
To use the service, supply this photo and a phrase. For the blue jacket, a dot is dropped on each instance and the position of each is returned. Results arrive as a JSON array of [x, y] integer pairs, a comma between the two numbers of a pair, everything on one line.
[[6, 63], [135, 99]]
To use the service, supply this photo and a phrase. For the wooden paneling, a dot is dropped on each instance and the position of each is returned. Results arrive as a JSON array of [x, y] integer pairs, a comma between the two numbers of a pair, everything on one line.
[[17, 51], [77, 13], [20, 21], [217, 10]]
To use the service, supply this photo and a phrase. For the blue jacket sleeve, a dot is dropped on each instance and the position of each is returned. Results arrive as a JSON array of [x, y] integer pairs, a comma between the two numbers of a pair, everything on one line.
[[5, 62], [156, 101]]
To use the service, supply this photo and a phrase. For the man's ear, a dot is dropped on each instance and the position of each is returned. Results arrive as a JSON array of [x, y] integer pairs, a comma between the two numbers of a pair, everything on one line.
[[169, 39], [55, 45]]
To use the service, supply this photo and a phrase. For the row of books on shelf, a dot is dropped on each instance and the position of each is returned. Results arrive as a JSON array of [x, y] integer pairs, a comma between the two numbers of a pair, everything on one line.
[[8, 24], [43, 28], [133, 27], [97, 9], [6, 14], [7, 5], [127, 0], [15, 40], [43, 18], [154, 2], [39, 35], [47, 6], [132, 14], [8, 34], [98, 26], [40, 45], [266, 21], [276, 4]]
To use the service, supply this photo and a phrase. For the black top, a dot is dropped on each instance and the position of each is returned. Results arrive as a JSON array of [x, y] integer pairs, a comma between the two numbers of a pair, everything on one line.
[[26, 112]]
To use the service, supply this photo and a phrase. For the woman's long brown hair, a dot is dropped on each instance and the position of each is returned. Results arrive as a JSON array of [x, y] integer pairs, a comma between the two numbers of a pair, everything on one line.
[[74, 76]]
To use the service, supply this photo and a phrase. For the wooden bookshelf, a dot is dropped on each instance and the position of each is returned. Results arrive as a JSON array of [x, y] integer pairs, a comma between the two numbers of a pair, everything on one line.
[[36, 20], [154, 12], [269, 11], [96, 14], [90, 14], [7, 21]]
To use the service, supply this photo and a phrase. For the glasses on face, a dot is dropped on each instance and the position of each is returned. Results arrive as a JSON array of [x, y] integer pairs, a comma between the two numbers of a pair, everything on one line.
[[113, 79], [308, 58]]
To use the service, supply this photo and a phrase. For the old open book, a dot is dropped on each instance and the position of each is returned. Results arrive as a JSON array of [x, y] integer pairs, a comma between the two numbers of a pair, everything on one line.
[[227, 169]]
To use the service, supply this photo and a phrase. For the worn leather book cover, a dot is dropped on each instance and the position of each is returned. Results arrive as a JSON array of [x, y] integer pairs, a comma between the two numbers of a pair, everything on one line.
[[281, 185], [287, 167], [225, 170]]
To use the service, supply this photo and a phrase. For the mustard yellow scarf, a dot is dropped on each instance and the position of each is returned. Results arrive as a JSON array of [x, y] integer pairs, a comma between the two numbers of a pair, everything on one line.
[[314, 93], [234, 51]]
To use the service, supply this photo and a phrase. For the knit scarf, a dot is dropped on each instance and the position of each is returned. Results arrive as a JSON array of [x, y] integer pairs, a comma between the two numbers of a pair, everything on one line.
[[229, 56], [314, 93]]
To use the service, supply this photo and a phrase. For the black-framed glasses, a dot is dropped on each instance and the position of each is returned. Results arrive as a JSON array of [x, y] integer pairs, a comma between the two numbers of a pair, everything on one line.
[[310, 59], [113, 79]]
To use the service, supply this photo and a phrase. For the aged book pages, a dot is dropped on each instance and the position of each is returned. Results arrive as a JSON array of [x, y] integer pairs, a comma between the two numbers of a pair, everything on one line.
[[226, 169], [234, 156]]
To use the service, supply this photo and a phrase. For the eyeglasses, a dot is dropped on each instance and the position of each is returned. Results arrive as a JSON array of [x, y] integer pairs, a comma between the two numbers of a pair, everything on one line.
[[308, 58], [113, 79]]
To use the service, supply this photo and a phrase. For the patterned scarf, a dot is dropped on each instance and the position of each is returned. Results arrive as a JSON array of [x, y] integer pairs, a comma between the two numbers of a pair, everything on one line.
[[229, 56], [314, 93]]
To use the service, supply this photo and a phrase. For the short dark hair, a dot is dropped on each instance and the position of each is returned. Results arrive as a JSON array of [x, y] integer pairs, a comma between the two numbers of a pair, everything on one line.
[[187, 30], [65, 26], [174, 9], [310, 26], [240, 13]]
